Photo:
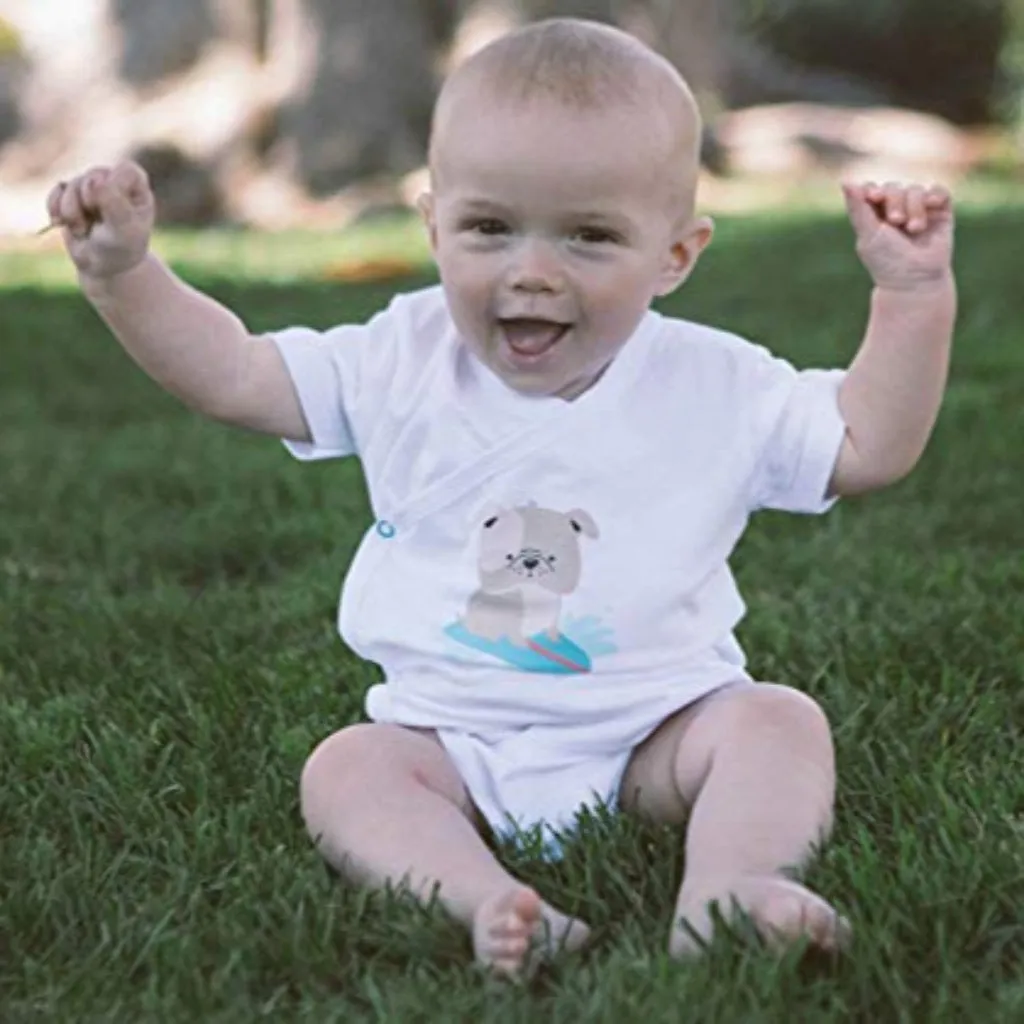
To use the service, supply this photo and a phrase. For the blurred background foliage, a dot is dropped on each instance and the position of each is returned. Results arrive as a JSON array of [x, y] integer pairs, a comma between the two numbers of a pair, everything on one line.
[[283, 113], [961, 59]]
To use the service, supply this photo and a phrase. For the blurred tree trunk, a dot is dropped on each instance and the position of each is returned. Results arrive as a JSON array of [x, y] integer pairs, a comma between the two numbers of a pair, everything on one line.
[[596, 10], [366, 107], [161, 39], [690, 33]]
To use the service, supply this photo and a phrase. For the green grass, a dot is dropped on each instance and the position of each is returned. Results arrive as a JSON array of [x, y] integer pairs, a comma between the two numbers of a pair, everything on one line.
[[168, 659]]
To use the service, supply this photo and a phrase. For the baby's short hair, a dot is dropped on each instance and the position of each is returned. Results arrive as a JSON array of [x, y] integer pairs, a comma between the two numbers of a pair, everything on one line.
[[583, 64], [586, 66]]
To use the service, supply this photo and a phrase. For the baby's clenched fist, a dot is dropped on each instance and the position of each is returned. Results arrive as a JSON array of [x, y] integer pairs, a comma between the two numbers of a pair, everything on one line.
[[904, 233], [107, 215]]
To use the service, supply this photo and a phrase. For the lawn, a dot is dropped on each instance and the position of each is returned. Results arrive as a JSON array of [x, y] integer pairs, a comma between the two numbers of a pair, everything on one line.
[[168, 659]]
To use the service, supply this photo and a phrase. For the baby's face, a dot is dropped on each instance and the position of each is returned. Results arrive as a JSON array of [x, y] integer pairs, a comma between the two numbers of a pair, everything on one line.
[[553, 230]]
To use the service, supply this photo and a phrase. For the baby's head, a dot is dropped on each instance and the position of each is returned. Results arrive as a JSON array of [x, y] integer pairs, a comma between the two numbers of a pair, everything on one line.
[[563, 163]]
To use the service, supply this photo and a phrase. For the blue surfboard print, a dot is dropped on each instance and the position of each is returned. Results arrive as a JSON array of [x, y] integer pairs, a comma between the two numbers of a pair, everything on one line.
[[542, 654]]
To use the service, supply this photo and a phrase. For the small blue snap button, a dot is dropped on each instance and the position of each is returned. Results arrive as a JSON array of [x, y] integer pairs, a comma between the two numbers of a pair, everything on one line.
[[386, 529]]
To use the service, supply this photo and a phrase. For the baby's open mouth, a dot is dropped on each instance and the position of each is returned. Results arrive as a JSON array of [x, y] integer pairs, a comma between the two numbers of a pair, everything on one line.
[[531, 337]]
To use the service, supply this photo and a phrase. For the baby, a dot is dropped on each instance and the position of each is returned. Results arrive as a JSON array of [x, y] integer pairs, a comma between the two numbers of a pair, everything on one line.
[[559, 475]]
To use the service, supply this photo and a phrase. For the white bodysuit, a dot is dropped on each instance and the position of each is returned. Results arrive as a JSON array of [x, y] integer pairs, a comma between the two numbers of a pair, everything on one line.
[[546, 581]]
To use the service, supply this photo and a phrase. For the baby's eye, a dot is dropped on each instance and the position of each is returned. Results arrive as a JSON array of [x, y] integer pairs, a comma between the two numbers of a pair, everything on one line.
[[486, 226], [596, 236]]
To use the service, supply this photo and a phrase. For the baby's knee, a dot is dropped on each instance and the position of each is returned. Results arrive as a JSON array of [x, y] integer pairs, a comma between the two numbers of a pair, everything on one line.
[[361, 761], [787, 715], [337, 763]]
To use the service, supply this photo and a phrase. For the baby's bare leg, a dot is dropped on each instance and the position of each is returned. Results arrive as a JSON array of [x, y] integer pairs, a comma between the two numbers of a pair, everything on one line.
[[386, 804], [754, 767]]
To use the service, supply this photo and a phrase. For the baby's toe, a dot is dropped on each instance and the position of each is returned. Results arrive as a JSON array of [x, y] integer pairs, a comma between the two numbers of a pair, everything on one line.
[[829, 930], [787, 912], [503, 928]]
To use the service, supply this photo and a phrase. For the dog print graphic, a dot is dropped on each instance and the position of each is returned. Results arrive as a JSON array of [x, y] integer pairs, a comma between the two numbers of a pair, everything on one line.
[[529, 558]]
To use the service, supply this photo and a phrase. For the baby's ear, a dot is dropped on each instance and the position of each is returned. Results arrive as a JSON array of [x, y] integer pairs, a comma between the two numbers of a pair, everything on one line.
[[425, 204], [685, 250]]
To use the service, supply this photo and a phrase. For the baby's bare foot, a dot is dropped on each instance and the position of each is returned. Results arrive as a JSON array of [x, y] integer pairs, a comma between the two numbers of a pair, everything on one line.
[[515, 930], [783, 911]]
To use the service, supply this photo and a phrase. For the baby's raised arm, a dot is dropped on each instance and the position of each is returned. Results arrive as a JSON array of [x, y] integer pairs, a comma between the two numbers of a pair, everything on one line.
[[891, 396], [191, 345]]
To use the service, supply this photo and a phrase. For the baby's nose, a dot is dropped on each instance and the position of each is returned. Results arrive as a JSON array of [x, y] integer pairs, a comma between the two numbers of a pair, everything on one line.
[[535, 269], [531, 563]]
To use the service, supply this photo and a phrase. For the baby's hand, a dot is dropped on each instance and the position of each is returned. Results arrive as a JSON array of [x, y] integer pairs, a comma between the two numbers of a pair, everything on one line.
[[107, 215], [904, 233]]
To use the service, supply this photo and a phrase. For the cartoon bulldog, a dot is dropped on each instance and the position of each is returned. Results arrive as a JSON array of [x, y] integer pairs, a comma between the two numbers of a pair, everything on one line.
[[529, 558]]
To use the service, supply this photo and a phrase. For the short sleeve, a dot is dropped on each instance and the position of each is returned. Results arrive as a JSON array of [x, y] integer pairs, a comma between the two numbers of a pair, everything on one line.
[[800, 430], [335, 373]]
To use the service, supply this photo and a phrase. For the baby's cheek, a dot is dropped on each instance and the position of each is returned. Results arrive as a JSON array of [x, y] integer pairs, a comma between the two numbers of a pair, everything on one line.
[[459, 273], [618, 305], [467, 305]]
